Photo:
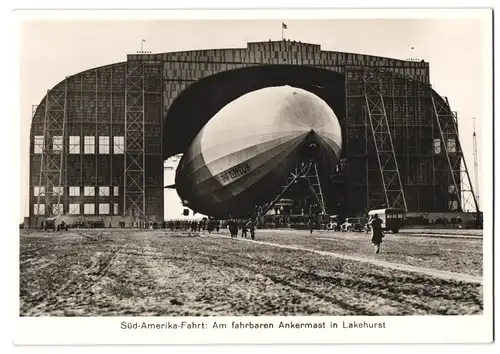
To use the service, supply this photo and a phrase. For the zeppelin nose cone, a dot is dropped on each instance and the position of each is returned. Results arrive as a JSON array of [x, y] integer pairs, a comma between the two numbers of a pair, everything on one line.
[[243, 154], [310, 114]]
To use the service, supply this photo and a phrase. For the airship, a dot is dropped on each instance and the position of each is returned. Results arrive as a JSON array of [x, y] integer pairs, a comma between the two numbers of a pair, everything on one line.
[[242, 156]]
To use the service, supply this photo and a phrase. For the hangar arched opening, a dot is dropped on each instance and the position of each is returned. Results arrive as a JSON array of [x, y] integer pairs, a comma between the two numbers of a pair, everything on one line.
[[203, 99]]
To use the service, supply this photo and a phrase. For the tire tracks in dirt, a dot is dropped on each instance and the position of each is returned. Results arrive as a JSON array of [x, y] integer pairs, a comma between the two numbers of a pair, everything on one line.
[[381, 288], [385, 293], [310, 280], [401, 267], [92, 275]]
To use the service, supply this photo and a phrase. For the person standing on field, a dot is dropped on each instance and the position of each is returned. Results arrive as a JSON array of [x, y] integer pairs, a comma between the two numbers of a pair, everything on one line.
[[251, 227], [377, 233], [310, 226], [244, 229]]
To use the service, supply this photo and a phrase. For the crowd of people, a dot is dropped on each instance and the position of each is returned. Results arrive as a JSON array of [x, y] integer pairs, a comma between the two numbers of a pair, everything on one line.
[[234, 226], [194, 225]]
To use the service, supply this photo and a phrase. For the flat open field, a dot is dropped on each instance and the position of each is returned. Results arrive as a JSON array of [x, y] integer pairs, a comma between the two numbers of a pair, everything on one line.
[[158, 273], [467, 232], [450, 254]]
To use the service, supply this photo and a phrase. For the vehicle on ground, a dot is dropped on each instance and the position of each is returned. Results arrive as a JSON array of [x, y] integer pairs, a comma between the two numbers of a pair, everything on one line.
[[334, 224], [62, 226], [49, 223], [392, 218], [298, 221], [352, 224]]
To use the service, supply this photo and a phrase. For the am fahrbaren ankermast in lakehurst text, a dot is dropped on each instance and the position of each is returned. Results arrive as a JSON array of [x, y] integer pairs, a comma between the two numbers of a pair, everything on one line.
[[308, 325], [250, 325]]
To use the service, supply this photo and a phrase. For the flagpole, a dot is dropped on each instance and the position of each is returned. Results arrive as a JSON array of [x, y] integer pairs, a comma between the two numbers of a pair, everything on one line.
[[282, 32]]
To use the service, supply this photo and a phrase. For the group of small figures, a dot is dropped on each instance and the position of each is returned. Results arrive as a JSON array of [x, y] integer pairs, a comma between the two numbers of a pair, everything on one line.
[[195, 226], [235, 225]]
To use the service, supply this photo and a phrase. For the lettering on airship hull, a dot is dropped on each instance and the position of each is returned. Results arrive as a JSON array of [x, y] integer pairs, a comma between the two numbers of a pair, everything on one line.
[[234, 173]]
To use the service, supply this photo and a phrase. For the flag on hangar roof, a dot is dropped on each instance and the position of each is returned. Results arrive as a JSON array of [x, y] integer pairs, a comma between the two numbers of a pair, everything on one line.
[[284, 25]]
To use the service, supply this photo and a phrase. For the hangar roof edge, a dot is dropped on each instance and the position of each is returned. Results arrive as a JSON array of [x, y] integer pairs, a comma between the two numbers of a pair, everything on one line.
[[254, 45]]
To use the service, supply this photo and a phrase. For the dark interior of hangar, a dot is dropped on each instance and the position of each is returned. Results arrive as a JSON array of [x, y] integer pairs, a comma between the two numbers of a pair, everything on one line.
[[203, 99], [390, 126]]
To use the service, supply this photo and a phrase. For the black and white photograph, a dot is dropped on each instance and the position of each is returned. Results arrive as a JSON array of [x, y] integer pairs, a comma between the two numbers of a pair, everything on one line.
[[326, 175]]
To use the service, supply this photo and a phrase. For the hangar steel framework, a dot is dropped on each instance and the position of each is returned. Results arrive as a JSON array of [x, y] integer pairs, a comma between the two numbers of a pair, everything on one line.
[[52, 155], [97, 138], [402, 145]]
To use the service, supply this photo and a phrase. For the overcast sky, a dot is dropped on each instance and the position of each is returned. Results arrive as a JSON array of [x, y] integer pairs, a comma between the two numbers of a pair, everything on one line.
[[457, 50]]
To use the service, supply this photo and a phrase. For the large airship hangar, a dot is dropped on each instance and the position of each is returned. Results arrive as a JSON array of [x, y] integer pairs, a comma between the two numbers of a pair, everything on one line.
[[99, 138]]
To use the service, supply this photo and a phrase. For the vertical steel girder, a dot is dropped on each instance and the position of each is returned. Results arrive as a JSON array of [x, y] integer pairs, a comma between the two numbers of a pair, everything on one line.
[[309, 172], [476, 177], [315, 184], [389, 171], [460, 185], [53, 152], [134, 191], [362, 189]]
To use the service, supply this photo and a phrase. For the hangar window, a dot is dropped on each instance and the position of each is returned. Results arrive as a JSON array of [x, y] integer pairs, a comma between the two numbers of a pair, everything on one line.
[[89, 209], [103, 191], [115, 209], [38, 144], [103, 209], [74, 209], [89, 145], [116, 191], [38, 191], [39, 209], [453, 205], [74, 191], [58, 190], [57, 209], [451, 145], [437, 146], [451, 188], [57, 143], [89, 191], [104, 145], [118, 144], [74, 144]]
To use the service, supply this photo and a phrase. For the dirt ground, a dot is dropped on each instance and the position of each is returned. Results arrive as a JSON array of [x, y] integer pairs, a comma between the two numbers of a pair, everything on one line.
[[154, 273], [450, 254]]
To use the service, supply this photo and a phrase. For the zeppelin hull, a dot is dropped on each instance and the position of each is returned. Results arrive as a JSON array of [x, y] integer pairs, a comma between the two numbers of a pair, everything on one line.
[[243, 154]]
